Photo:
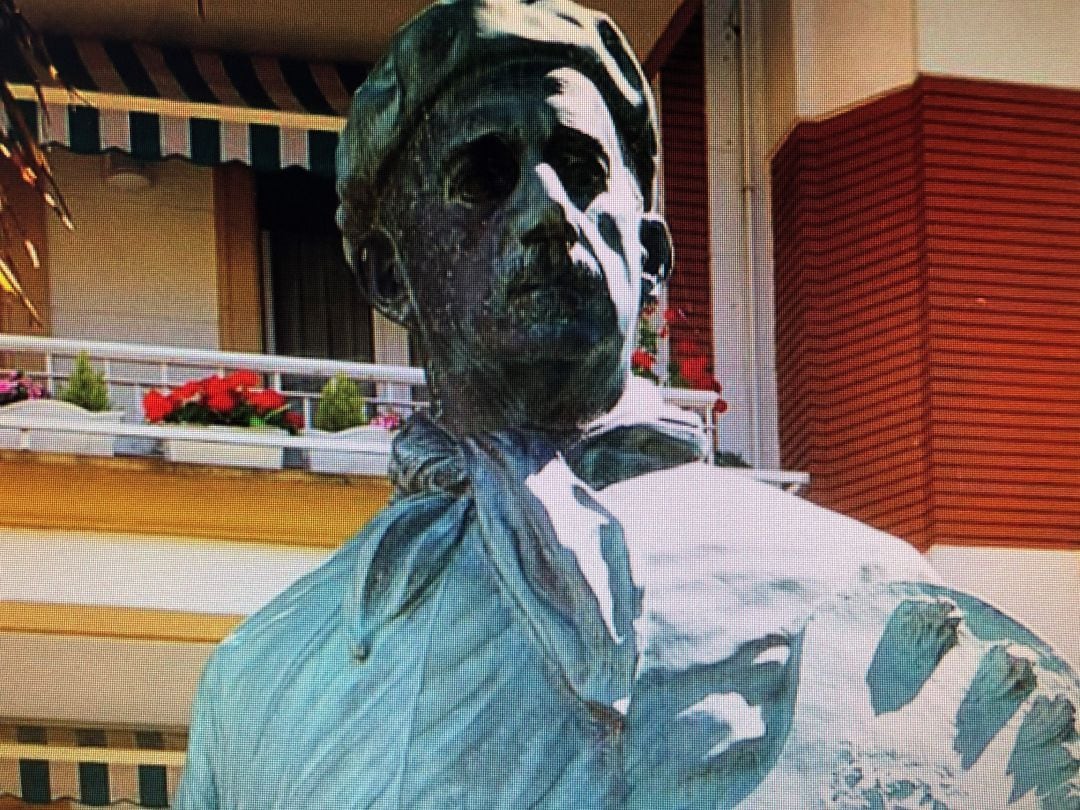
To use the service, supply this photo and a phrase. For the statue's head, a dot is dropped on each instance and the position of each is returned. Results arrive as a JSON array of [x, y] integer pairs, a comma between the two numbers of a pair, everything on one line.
[[498, 185]]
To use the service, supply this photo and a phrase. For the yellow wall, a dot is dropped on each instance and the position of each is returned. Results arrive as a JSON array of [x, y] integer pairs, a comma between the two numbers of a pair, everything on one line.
[[156, 497], [140, 267]]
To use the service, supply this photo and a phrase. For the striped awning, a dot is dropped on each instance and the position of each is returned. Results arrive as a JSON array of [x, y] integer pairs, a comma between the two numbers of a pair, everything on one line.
[[77, 767], [154, 102]]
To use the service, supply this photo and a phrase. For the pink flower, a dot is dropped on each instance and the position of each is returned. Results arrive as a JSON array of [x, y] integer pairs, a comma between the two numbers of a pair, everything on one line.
[[387, 421]]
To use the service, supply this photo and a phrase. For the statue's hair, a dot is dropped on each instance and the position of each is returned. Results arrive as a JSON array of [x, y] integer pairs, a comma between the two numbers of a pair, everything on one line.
[[452, 41]]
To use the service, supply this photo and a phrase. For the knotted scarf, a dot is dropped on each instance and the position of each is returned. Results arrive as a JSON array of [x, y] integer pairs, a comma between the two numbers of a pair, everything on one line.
[[558, 555]]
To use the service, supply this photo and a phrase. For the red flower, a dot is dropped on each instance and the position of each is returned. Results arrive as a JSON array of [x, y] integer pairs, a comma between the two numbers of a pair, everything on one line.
[[188, 392], [216, 386], [243, 379], [698, 371], [265, 400], [719, 407], [293, 420], [220, 401], [674, 315], [642, 360], [156, 406]]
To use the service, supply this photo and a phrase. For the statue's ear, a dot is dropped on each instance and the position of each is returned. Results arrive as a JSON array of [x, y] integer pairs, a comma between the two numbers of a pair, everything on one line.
[[378, 269], [656, 240]]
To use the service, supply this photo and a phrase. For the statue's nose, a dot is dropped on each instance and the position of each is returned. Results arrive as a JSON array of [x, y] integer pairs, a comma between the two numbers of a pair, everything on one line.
[[545, 212]]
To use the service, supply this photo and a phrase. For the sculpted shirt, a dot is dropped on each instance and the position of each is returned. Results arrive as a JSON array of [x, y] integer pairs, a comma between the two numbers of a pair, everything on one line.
[[617, 625]]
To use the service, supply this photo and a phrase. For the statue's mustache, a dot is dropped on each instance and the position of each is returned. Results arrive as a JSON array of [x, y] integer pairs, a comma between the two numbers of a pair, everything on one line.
[[551, 263]]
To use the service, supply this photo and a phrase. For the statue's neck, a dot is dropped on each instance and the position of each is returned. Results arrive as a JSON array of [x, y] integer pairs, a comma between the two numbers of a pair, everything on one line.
[[473, 404]]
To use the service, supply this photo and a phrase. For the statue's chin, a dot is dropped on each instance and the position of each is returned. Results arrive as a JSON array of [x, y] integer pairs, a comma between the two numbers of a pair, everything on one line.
[[571, 338]]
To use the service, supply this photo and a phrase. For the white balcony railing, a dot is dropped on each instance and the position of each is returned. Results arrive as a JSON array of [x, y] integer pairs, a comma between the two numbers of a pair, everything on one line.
[[130, 370]]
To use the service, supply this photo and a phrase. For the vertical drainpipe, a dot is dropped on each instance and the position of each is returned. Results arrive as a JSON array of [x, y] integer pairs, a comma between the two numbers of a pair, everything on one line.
[[757, 235], [748, 190], [733, 159], [739, 239]]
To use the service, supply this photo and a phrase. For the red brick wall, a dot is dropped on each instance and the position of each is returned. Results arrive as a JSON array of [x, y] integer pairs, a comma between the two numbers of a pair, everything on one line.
[[928, 312]]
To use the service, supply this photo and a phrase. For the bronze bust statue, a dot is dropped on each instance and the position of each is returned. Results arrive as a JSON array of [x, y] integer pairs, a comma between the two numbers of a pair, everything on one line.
[[562, 606]]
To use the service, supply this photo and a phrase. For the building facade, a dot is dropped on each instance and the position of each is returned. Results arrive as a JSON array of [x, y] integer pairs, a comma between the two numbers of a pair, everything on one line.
[[872, 206]]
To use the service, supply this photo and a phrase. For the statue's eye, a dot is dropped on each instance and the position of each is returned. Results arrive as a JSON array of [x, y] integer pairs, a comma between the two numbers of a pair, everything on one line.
[[482, 172], [580, 162]]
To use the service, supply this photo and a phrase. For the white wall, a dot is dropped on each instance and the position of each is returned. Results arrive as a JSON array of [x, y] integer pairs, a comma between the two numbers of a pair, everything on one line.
[[824, 56], [776, 87], [140, 267], [849, 50], [732, 302], [827, 55], [1030, 42]]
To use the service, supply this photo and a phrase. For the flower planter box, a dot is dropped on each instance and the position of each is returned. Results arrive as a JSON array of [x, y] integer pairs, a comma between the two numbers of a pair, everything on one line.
[[344, 462], [48, 440], [223, 453]]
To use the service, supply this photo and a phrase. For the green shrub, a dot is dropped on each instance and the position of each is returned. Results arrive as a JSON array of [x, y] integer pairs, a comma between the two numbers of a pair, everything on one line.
[[86, 387], [341, 405]]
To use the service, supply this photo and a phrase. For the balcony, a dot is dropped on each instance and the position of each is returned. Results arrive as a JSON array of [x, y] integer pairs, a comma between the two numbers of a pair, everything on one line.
[[137, 564], [131, 370]]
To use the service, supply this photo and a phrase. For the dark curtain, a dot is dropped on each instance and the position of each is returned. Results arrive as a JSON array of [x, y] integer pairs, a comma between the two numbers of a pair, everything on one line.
[[316, 307]]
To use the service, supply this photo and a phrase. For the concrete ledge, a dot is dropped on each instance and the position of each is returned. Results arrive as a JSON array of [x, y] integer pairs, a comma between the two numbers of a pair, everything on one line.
[[157, 497]]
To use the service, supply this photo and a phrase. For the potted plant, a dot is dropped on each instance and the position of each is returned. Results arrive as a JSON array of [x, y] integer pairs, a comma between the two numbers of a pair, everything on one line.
[[86, 387], [341, 406], [85, 398], [223, 403], [343, 412]]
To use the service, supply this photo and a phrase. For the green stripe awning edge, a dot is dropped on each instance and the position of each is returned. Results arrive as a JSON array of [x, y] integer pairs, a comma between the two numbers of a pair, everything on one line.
[[41, 764], [210, 108]]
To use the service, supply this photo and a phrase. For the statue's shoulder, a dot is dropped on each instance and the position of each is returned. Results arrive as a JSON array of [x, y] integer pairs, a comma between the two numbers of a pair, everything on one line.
[[726, 520], [293, 623]]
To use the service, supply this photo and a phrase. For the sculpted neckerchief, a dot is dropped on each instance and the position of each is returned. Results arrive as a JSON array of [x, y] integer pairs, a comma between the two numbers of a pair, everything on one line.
[[558, 554]]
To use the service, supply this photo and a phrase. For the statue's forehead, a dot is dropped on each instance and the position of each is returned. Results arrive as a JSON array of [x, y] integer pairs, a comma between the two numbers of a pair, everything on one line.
[[578, 104], [521, 103]]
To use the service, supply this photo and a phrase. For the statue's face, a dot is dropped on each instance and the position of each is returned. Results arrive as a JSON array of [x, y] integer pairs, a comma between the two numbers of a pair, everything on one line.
[[517, 223]]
